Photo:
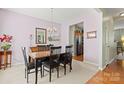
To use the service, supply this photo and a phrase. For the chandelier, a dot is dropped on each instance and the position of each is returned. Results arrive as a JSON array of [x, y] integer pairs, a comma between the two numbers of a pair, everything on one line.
[[51, 29]]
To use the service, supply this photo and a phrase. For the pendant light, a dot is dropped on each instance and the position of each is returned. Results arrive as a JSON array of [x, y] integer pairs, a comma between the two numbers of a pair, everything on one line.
[[51, 29]]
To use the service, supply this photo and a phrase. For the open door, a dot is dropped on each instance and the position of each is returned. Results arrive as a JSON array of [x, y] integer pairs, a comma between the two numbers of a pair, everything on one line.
[[76, 39]]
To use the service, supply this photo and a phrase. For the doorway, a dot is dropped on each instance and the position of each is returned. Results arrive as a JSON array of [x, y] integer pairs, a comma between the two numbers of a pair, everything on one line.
[[76, 39]]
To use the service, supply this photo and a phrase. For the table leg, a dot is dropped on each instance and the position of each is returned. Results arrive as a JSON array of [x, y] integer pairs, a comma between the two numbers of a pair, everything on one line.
[[10, 59], [5, 59], [29, 58], [36, 70], [0, 60]]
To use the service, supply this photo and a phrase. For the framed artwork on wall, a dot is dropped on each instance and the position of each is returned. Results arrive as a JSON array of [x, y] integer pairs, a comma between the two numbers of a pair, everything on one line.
[[91, 34], [41, 36]]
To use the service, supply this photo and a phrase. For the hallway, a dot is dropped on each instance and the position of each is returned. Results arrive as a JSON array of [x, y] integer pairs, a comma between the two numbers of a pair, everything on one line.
[[112, 74], [79, 58]]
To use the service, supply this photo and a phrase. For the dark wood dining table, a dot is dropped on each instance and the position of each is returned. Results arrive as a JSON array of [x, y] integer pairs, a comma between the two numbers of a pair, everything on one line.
[[39, 55]]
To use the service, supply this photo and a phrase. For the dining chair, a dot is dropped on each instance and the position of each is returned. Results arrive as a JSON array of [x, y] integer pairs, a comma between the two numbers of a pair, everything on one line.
[[50, 45], [66, 59], [30, 65], [53, 61]]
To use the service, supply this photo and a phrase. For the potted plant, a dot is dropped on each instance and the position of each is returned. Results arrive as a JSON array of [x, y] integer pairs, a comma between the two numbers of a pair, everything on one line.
[[5, 41]]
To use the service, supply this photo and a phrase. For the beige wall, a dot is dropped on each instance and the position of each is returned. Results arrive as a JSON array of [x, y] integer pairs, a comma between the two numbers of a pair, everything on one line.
[[92, 21]]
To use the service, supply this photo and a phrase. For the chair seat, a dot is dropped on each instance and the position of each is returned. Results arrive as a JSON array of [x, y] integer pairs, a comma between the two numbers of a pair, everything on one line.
[[48, 64], [32, 64], [64, 59], [43, 59]]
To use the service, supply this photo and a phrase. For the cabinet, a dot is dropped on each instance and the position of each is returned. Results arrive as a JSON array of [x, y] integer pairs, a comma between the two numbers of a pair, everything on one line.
[[4, 55]]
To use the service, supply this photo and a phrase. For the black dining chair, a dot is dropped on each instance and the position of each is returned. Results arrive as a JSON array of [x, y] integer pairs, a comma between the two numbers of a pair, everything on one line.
[[30, 65], [53, 61], [50, 45], [66, 59]]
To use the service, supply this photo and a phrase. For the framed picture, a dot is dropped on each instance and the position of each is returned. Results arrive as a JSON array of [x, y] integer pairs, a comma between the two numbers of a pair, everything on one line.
[[91, 34], [41, 36]]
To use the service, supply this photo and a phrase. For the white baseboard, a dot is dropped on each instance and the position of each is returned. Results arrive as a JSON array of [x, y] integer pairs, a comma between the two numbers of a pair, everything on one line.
[[108, 63], [113, 59], [91, 63], [87, 62], [102, 68], [77, 60], [17, 62]]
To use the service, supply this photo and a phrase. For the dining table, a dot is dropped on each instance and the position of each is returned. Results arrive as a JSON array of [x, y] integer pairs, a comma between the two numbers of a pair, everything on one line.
[[39, 56]]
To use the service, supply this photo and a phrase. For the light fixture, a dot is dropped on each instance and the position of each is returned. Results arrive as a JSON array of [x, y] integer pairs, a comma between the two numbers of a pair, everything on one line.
[[51, 29], [122, 14], [122, 38]]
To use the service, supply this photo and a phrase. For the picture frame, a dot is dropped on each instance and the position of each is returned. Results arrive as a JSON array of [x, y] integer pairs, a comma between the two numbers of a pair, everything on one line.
[[41, 36], [91, 34]]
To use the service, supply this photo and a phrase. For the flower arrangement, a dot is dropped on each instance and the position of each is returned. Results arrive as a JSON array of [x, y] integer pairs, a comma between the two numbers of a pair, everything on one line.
[[5, 41]]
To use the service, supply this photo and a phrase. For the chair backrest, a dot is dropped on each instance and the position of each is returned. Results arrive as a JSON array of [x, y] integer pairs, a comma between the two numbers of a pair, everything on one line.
[[55, 53], [68, 49], [49, 46], [24, 55], [55, 50]]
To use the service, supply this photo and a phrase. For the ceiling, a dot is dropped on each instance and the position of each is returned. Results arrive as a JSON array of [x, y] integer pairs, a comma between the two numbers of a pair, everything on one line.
[[59, 14], [115, 12], [66, 14], [62, 14], [112, 11]]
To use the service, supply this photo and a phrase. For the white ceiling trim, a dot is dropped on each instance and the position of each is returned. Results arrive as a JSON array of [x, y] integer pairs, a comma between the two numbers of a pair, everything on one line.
[[60, 15]]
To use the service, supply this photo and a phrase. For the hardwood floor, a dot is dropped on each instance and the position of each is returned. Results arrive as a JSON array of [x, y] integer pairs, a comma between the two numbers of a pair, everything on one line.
[[79, 58], [112, 74]]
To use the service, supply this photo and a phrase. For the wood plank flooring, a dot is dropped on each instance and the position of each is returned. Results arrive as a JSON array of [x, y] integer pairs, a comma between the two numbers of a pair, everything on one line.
[[79, 58], [112, 74]]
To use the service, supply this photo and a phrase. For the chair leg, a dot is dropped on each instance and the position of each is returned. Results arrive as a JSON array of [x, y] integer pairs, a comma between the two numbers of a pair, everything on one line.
[[50, 75], [58, 72], [70, 67], [25, 72], [64, 69], [27, 76], [41, 71], [52, 70]]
